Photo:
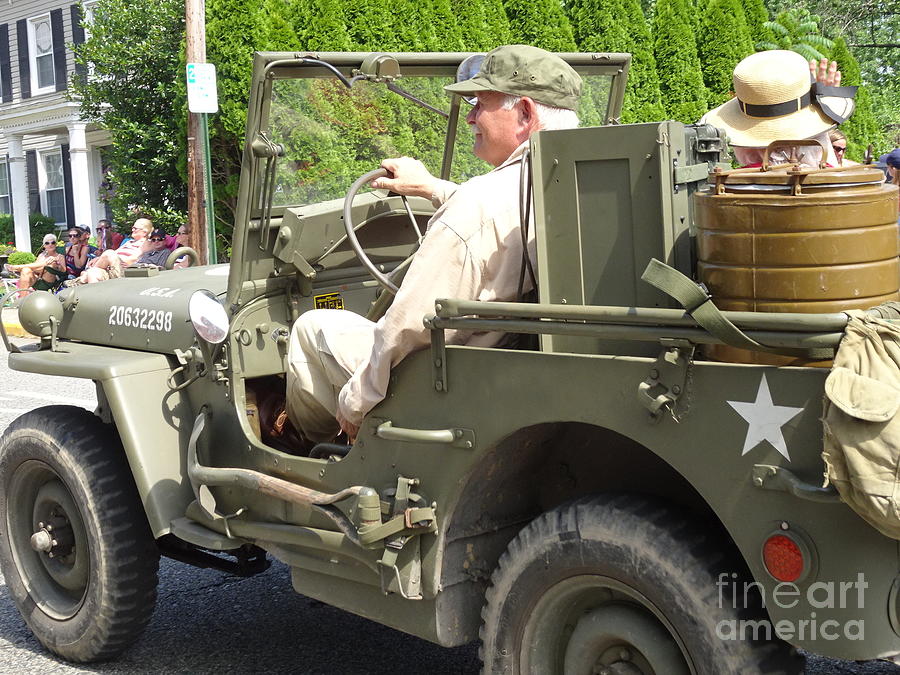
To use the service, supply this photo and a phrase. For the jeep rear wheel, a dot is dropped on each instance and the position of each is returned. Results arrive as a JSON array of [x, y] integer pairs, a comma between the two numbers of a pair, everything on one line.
[[75, 548], [616, 585]]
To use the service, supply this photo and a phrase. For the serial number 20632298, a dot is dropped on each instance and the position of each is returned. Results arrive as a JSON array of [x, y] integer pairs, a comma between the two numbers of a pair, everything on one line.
[[140, 317]]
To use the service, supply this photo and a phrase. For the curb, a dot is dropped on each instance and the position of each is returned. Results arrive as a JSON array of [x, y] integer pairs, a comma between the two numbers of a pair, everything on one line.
[[14, 330]]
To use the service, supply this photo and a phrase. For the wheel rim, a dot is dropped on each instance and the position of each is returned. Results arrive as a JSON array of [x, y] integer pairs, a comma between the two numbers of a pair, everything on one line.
[[48, 539], [595, 625]]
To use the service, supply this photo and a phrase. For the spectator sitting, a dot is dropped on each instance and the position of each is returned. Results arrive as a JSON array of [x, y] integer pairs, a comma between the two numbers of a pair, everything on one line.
[[107, 237], [156, 252], [109, 264], [182, 239], [76, 252], [776, 100], [47, 272]]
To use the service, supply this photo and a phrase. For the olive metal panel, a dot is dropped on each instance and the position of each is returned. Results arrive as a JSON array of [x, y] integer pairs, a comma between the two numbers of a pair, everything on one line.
[[605, 204]]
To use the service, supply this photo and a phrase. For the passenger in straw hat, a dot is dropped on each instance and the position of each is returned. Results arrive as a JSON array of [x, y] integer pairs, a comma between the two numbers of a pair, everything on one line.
[[776, 98]]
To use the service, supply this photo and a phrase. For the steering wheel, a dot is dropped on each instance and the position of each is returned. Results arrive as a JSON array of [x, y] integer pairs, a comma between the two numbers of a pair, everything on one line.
[[179, 252], [376, 273]]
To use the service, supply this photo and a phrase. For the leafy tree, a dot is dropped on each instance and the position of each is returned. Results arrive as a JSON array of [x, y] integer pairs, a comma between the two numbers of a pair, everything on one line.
[[134, 53], [861, 129], [756, 14], [620, 26], [234, 30], [322, 25], [684, 95], [277, 26], [724, 40], [370, 24], [798, 30], [482, 24], [541, 23]]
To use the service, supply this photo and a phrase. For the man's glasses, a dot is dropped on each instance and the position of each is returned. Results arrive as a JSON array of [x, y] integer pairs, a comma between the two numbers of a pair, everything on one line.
[[157, 239], [72, 236]]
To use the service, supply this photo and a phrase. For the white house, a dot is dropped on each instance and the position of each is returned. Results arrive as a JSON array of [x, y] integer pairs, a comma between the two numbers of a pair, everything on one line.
[[51, 160]]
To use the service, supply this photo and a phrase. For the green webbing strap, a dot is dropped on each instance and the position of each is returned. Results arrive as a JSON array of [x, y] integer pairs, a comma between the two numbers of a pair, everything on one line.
[[701, 307], [697, 303]]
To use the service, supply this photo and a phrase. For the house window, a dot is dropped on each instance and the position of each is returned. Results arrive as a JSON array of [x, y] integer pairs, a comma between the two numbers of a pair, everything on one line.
[[40, 37], [4, 189], [54, 192]]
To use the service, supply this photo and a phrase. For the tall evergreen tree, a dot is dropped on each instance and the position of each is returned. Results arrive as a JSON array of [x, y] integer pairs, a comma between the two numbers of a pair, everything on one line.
[[321, 25], [482, 24], [277, 26], [643, 99], [446, 28], [724, 40], [861, 129], [541, 23], [757, 15], [684, 95], [620, 26], [370, 26], [234, 29]]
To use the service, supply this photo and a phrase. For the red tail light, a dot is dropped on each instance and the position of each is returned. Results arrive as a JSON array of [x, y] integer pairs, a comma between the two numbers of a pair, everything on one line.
[[783, 558]]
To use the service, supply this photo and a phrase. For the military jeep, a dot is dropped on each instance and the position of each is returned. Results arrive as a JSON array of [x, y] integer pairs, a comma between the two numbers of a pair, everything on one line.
[[584, 502]]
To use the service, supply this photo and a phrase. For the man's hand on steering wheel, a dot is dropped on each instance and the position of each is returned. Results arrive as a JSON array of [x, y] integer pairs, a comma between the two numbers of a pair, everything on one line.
[[410, 178]]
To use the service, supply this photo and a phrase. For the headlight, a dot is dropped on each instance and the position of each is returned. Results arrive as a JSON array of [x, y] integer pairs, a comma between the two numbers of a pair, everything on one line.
[[208, 317]]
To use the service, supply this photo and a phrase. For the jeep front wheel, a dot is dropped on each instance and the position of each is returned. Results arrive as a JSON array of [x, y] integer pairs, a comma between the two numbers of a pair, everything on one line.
[[617, 585], [75, 547]]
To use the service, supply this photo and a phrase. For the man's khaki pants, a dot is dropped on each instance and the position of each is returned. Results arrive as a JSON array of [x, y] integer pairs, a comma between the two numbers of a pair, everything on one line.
[[325, 349]]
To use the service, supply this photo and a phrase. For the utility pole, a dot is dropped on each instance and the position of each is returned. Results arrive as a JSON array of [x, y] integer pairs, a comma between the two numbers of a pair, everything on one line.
[[195, 28]]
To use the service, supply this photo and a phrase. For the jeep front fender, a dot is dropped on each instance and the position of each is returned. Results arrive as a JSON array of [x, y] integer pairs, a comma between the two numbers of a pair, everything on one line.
[[152, 421]]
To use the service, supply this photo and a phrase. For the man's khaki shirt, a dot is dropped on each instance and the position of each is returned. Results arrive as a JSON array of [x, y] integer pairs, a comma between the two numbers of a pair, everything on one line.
[[472, 249]]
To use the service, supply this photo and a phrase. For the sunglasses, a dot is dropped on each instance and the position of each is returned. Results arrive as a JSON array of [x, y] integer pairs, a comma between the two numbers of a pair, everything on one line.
[[70, 236], [838, 149], [50, 242], [157, 239]]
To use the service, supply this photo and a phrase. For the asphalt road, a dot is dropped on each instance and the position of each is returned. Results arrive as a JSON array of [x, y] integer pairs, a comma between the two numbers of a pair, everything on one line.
[[210, 622]]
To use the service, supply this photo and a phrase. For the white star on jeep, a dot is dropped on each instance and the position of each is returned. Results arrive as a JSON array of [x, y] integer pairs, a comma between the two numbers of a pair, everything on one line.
[[764, 420]]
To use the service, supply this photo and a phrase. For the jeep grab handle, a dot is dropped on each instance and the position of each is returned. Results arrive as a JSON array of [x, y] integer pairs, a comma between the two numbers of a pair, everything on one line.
[[459, 438]]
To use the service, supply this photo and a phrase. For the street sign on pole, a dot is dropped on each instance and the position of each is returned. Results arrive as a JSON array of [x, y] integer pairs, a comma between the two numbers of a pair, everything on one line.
[[201, 88]]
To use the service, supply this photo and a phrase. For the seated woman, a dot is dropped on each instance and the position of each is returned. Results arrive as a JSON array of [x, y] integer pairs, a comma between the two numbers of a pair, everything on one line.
[[47, 272]]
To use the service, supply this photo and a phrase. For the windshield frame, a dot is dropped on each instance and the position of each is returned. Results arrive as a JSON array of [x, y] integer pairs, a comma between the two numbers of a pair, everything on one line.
[[271, 66]]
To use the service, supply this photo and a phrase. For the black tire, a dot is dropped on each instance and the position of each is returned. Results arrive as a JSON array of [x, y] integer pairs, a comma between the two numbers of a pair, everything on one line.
[[617, 584], [89, 600]]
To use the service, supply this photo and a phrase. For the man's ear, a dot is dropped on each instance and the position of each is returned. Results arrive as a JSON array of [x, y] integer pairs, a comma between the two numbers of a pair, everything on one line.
[[528, 113]]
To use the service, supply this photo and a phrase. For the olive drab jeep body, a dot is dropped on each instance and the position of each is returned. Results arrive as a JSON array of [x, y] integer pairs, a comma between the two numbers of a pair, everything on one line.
[[601, 497]]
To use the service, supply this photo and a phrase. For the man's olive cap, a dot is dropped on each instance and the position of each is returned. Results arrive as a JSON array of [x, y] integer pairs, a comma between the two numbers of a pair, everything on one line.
[[523, 70]]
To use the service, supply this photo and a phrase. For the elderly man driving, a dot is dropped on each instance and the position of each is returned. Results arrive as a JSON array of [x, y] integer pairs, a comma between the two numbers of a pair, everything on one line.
[[339, 363]]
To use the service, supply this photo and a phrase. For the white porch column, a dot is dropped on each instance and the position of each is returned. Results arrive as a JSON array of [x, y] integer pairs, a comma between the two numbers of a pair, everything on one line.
[[81, 184], [19, 191]]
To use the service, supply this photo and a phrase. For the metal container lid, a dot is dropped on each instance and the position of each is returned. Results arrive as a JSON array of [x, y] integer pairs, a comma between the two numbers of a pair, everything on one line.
[[794, 178]]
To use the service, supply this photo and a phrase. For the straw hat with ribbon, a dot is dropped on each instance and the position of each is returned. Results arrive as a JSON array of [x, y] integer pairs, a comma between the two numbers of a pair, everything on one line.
[[776, 99]]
